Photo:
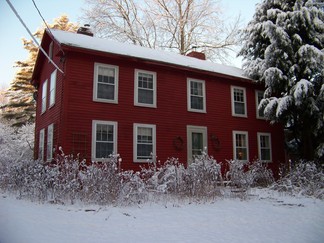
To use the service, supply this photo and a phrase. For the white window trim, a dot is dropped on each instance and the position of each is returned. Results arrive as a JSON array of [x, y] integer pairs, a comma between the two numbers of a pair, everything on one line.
[[257, 104], [189, 95], [93, 142], [50, 135], [233, 103], [44, 97], [95, 83], [52, 92], [135, 159], [41, 144], [247, 144], [136, 103], [190, 130], [259, 134]]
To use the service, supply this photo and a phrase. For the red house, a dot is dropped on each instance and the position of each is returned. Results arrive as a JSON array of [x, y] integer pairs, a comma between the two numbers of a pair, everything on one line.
[[100, 97]]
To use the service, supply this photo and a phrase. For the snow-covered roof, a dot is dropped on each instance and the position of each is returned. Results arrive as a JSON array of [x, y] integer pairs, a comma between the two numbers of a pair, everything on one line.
[[114, 47]]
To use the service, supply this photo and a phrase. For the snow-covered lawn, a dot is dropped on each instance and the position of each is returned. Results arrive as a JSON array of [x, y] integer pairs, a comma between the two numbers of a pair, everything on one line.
[[267, 217]]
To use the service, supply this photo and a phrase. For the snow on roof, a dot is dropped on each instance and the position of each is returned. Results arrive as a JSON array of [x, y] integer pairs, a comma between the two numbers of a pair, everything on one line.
[[114, 47]]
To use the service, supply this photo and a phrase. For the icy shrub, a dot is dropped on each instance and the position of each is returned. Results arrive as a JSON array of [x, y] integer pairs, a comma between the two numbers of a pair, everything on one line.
[[16, 143], [244, 175], [200, 179], [305, 178]]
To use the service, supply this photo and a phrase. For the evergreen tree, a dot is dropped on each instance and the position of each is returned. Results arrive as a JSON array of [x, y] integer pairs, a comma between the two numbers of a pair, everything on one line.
[[284, 50], [21, 106]]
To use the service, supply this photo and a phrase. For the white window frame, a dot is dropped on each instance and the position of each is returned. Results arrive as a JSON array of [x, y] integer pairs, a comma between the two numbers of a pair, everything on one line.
[[259, 134], [136, 102], [50, 135], [233, 101], [135, 130], [41, 144], [44, 97], [257, 92], [52, 91], [95, 83], [197, 129], [189, 80], [247, 145], [94, 133]]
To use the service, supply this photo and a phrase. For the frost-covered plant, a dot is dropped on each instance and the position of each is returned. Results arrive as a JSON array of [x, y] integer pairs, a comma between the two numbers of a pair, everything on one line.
[[16, 143], [244, 174], [305, 178]]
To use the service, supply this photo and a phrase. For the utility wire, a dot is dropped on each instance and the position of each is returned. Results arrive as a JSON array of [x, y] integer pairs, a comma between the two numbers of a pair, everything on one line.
[[32, 36], [46, 24]]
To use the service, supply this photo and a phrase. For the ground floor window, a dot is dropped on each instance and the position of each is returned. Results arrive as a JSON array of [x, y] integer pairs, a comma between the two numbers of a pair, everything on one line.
[[49, 153], [144, 142], [104, 139], [41, 145], [240, 145], [264, 147]]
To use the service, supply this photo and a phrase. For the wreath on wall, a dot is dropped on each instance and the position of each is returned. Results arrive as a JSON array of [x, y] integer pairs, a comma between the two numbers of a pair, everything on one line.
[[215, 142], [178, 143]]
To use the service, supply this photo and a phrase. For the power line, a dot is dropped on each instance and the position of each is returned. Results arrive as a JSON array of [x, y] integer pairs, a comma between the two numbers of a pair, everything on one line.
[[32, 36], [48, 28]]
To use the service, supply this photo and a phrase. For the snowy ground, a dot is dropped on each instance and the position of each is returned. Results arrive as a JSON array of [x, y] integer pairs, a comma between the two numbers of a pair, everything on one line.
[[264, 218]]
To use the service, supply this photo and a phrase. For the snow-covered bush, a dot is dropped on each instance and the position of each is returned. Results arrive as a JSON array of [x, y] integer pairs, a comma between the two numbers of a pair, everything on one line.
[[305, 178], [16, 143], [244, 174]]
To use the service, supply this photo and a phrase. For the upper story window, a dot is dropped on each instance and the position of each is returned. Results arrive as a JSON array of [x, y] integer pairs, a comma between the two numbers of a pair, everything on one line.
[[238, 95], [105, 83], [145, 88], [44, 96], [144, 142], [258, 98], [104, 139], [50, 51], [50, 131], [240, 145], [41, 145], [196, 95], [264, 147], [52, 88]]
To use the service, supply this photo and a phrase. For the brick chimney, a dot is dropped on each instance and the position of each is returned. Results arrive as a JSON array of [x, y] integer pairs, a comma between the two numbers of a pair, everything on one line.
[[196, 54], [85, 30]]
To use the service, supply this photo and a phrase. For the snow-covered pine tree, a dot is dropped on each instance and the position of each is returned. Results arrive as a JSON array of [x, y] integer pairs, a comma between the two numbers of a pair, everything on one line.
[[21, 106], [284, 49]]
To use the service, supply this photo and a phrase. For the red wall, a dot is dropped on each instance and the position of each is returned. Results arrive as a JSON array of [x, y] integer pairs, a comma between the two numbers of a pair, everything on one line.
[[76, 112]]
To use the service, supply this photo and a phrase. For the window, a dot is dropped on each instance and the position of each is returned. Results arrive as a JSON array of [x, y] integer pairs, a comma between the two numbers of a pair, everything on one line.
[[105, 83], [238, 95], [240, 145], [196, 140], [144, 142], [50, 51], [49, 154], [145, 88], [196, 95], [264, 147], [52, 88], [41, 145], [104, 139], [44, 96], [258, 98]]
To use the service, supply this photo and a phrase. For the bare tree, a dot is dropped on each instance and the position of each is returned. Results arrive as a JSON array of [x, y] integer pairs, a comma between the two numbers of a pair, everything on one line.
[[176, 25]]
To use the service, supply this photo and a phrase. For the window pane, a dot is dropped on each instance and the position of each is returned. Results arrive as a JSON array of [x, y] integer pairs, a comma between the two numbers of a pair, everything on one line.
[[145, 96], [106, 91], [145, 88], [239, 108], [144, 142], [104, 140], [197, 143]]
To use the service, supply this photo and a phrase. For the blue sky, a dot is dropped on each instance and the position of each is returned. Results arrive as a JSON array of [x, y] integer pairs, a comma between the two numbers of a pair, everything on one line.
[[11, 48]]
